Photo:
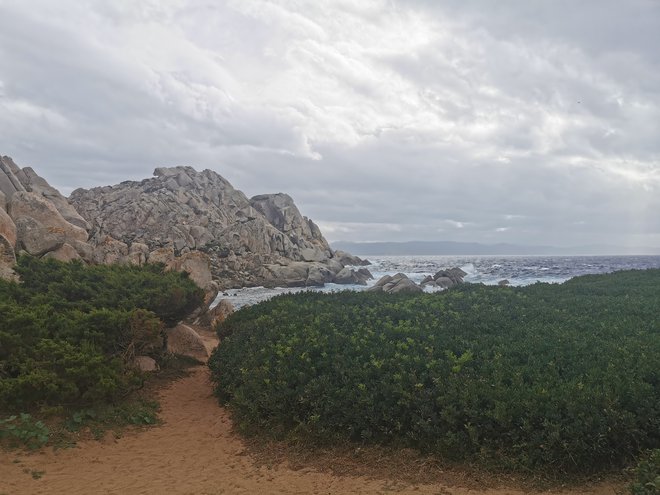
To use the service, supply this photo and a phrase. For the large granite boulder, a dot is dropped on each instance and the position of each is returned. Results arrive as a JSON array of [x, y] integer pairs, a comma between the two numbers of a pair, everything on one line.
[[34, 183], [217, 314], [185, 341], [64, 253], [109, 250], [138, 253], [348, 259], [454, 274], [350, 276], [35, 238], [319, 274], [33, 205], [398, 283]]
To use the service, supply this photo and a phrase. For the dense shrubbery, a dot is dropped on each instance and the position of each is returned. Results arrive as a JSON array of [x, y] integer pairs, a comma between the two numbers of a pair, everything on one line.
[[561, 378], [68, 331], [647, 475]]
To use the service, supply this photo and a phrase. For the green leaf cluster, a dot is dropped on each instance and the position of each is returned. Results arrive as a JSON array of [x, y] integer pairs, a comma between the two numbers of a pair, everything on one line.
[[554, 378], [24, 430], [647, 475], [68, 331]]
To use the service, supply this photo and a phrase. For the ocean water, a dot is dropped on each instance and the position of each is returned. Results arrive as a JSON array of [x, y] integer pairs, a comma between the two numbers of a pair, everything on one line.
[[518, 270]]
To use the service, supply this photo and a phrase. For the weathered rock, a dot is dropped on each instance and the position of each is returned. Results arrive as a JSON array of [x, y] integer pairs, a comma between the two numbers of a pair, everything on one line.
[[349, 259], [281, 212], [145, 363], [378, 286], [137, 254], [7, 227], [7, 259], [396, 284], [9, 183], [318, 275], [197, 264], [65, 253], [185, 210], [35, 238], [428, 279], [294, 274], [350, 276], [444, 282], [34, 183], [85, 250], [185, 341], [217, 314], [402, 284], [503, 283], [33, 205], [455, 274], [3, 201], [163, 255], [110, 251]]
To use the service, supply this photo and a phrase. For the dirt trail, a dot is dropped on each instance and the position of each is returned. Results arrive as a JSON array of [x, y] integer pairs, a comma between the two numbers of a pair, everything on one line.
[[195, 452]]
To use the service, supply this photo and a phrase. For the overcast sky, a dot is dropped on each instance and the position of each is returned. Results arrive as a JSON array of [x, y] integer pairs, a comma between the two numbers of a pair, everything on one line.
[[534, 122]]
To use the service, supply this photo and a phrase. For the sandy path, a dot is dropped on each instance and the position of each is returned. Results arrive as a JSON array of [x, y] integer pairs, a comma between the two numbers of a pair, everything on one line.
[[193, 452]]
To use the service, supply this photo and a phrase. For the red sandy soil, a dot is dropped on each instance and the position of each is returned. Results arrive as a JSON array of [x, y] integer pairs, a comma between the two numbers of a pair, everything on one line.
[[195, 451]]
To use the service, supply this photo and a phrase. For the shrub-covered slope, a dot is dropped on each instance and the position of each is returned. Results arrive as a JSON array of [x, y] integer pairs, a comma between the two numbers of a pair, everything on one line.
[[68, 332], [546, 377]]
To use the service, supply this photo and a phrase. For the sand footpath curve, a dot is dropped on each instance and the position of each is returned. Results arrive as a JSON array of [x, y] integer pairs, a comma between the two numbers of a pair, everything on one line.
[[195, 452]]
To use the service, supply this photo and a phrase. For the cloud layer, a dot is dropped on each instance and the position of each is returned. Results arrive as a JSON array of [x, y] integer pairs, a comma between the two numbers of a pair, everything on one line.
[[531, 122]]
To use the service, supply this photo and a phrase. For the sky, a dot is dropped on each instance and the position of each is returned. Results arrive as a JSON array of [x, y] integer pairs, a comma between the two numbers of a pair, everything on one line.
[[529, 122]]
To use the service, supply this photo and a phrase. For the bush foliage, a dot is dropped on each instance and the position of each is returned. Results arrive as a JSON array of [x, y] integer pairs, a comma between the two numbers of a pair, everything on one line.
[[555, 378], [68, 331]]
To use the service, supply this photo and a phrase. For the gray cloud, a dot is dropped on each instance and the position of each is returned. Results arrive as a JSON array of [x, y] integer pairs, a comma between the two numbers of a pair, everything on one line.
[[530, 122]]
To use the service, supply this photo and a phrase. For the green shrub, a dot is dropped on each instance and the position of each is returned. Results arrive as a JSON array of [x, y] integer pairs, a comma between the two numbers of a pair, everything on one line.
[[23, 430], [647, 475], [69, 332], [556, 378]]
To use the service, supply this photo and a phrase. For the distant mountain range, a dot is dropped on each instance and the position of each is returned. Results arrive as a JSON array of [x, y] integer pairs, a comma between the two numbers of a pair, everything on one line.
[[429, 248]]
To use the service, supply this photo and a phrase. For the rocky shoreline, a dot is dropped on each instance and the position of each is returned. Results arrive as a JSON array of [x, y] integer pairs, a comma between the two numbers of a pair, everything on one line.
[[191, 221]]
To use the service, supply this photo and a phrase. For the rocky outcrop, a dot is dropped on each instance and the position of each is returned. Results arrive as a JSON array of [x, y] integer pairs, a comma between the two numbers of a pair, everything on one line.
[[395, 284], [34, 183], [188, 220], [259, 241], [9, 183]]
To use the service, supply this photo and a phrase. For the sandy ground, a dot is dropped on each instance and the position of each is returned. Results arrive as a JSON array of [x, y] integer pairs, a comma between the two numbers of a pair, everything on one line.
[[196, 452]]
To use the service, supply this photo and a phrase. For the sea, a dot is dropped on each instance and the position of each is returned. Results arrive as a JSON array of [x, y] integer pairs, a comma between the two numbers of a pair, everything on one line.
[[489, 270]]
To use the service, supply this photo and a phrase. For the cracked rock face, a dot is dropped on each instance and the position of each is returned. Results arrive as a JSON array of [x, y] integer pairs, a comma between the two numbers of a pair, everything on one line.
[[188, 220], [186, 210]]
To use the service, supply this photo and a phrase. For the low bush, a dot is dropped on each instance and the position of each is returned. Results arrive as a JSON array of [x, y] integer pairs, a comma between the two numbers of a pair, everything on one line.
[[647, 475], [23, 430], [555, 378], [68, 332]]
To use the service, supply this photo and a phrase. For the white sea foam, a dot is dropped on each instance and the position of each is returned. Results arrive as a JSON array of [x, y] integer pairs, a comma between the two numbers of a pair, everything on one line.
[[489, 270]]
